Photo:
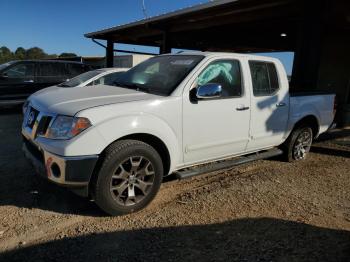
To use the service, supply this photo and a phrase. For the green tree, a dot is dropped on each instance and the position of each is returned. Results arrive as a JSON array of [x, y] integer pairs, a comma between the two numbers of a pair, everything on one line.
[[5, 54], [67, 55], [35, 53], [32, 53], [20, 53]]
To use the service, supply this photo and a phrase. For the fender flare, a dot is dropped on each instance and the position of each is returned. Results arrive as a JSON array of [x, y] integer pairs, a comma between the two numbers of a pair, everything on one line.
[[119, 127]]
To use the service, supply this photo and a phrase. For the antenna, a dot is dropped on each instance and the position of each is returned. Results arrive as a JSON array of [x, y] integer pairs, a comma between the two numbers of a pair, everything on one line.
[[144, 9]]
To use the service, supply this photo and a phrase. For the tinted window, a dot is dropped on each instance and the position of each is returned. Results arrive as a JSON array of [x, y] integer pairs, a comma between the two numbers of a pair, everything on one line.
[[51, 69], [108, 79], [264, 78], [226, 73], [75, 69], [75, 81], [20, 70]]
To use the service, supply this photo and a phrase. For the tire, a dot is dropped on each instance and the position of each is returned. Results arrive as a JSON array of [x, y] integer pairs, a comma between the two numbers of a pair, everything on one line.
[[298, 144], [129, 177]]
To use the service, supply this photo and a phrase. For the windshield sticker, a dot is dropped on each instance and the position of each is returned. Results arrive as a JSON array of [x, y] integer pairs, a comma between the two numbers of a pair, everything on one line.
[[182, 62]]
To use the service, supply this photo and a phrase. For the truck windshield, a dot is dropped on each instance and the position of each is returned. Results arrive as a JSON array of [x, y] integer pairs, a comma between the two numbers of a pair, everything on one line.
[[159, 75], [75, 81]]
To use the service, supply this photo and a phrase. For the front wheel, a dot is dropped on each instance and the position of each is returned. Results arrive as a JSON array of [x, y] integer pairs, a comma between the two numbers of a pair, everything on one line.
[[298, 144], [129, 178]]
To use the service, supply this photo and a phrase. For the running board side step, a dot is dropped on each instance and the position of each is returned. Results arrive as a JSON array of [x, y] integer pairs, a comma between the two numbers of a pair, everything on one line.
[[187, 173]]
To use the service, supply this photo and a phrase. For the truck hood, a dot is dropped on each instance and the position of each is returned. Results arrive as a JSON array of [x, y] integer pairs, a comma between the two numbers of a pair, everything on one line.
[[69, 101]]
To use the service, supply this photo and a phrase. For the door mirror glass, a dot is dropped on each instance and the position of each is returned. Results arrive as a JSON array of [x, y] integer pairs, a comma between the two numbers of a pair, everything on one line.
[[209, 91]]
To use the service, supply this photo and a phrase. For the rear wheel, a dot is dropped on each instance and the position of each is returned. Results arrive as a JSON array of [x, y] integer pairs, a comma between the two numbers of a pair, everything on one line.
[[298, 144], [129, 178]]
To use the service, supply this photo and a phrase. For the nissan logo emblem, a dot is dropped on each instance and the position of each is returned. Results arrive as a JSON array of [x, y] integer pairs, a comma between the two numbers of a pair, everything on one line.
[[31, 118]]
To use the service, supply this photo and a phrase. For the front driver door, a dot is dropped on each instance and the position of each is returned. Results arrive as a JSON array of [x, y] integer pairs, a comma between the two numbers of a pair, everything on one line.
[[217, 128], [17, 81]]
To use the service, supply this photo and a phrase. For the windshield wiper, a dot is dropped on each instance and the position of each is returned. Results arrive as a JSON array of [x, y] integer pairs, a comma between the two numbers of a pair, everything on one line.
[[64, 85], [132, 86]]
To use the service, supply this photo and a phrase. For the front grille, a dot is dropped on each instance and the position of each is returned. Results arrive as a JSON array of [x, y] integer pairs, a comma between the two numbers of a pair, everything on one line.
[[43, 125], [32, 117], [36, 123]]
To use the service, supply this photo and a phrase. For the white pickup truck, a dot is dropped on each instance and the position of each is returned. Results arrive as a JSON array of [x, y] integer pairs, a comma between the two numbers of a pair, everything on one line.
[[169, 114]]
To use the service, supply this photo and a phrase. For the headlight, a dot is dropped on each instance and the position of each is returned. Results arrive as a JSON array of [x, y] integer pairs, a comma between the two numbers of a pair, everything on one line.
[[66, 127]]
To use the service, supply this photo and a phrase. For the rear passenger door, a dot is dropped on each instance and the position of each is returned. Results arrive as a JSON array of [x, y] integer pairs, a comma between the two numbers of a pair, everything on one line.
[[50, 73], [270, 105], [18, 81]]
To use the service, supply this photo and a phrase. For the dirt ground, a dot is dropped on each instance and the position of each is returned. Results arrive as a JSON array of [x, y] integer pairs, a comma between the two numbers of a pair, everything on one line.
[[264, 211]]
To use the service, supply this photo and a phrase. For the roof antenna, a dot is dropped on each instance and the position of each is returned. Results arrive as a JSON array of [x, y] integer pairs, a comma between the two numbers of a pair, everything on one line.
[[144, 9]]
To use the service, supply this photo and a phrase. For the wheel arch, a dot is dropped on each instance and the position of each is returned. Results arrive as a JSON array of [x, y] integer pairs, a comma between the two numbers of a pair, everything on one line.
[[309, 121], [152, 140]]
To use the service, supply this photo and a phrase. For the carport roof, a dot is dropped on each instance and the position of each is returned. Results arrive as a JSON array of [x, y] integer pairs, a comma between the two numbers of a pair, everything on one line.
[[172, 14], [226, 25]]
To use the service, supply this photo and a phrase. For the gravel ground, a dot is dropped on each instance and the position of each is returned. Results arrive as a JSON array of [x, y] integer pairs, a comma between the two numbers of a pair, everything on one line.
[[263, 211]]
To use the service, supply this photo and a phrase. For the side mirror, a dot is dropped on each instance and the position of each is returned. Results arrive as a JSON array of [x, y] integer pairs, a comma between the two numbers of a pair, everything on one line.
[[209, 91], [4, 75]]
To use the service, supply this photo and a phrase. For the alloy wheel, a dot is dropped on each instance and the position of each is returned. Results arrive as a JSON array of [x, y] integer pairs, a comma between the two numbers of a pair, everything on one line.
[[302, 145], [132, 180]]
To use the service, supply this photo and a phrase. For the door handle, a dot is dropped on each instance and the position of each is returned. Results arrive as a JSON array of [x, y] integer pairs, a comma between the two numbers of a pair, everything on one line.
[[28, 81], [242, 108], [281, 104]]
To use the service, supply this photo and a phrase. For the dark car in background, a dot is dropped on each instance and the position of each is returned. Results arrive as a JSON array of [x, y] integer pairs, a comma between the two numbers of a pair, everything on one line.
[[19, 79]]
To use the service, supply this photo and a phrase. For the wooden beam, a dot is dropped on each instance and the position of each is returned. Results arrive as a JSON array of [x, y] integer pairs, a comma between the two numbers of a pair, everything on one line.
[[110, 54], [165, 47]]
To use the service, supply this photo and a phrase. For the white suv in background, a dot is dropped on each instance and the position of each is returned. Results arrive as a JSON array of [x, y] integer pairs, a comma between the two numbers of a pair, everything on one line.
[[103, 76]]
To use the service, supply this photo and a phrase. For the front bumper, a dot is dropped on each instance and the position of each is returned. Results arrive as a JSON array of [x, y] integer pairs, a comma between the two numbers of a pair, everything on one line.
[[66, 171]]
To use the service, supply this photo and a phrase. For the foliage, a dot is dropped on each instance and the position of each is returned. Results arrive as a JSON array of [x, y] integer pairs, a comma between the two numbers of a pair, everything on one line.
[[31, 53], [67, 55], [35, 53], [20, 53], [5, 54]]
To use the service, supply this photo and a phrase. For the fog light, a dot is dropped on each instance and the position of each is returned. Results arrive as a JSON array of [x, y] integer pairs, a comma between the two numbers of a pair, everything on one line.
[[55, 170]]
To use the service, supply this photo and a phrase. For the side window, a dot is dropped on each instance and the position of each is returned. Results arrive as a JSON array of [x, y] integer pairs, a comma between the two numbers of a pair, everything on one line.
[[98, 81], [60, 70], [110, 78], [75, 69], [47, 69], [20, 71], [227, 73], [264, 78]]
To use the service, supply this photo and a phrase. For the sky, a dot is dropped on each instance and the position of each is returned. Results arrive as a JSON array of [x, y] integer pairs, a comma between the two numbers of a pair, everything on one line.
[[59, 25]]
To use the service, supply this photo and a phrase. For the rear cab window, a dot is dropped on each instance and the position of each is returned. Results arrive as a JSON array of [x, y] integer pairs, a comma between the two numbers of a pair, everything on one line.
[[264, 78]]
